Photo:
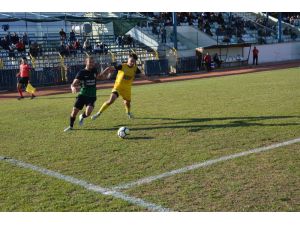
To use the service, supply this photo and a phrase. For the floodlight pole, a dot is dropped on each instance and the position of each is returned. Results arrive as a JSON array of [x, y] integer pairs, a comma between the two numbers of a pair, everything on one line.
[[175, 29]]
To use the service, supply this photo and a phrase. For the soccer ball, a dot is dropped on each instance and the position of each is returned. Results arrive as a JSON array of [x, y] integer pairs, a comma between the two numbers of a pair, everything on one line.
[[123, 132]]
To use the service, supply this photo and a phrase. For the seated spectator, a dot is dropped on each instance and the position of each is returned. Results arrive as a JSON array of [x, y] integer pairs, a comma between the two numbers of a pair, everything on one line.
[[72, 36], [77, 45], [4, 43], [87, 46], [63, 35], [11, 51], [207, 61], [26, 39], [34, 49], [15, 38], [217, 60], [97, 49], [20, 46], [104, 48]]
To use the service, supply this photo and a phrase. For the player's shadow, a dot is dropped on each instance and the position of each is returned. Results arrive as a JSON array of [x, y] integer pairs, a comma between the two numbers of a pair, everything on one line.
[[193, 123], [196, 124], [138, 138]]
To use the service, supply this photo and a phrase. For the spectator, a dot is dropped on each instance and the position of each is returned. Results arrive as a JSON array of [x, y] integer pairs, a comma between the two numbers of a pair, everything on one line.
[[217, 60], [207, 61], [34, 49], [63, 51], [97, 49], [199, 59], [87, 46], [15, 38], [163, 33], [4, 43], [72, 36], [63, 35], [119, 41], [20, 46], [255, 55], [26, 39], [77, 45]]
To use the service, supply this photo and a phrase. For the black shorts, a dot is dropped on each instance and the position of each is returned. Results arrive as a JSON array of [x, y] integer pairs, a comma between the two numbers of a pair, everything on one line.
[[23, 80], [84, 101]]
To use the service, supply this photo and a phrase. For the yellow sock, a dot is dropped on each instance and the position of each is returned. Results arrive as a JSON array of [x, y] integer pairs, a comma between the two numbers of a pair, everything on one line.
[[103, 107], [127, 109]]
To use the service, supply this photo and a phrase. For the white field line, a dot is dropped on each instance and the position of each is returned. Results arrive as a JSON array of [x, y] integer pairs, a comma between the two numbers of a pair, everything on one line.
[[86, 185], [207, 163]]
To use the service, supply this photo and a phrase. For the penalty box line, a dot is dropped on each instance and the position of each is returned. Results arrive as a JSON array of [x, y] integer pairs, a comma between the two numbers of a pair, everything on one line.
[[88, 186], [204, 164]]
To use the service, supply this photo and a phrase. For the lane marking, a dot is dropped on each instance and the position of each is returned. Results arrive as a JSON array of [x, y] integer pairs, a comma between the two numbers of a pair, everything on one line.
[[207, 163], [88, 186]]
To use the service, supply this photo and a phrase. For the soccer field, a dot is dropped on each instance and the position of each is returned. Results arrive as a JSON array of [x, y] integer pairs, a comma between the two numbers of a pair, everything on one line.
[[176, 125]]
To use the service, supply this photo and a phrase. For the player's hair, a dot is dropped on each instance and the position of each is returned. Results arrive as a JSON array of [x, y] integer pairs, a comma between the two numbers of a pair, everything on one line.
[[133, 55], [24, 59]]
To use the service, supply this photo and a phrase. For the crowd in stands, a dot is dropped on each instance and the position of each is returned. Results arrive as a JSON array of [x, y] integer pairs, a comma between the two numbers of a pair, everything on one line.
[[69, 44], [292, 18]]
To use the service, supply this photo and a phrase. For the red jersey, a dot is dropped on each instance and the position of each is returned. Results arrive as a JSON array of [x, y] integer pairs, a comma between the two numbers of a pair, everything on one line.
[[24, 70], [255, 52], [207, 58]]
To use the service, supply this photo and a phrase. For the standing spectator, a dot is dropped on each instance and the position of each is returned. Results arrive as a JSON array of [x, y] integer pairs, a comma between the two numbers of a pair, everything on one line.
[[163, 32], [255, 55], [62, 35], [207, 61], [217, 60], [199, 59], [72, 36], [26, 39]]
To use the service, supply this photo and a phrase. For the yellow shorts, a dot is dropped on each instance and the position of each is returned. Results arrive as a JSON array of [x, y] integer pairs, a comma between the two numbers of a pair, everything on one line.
[[124, 92]]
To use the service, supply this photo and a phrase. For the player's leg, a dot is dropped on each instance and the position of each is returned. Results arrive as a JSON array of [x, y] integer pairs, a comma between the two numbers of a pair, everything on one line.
[[19, 88], [127, 104], [77, 107], [88, 110], [114, 95]]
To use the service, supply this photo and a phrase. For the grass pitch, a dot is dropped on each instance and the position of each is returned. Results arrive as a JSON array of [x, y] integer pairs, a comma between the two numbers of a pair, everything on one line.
[[177, 124]]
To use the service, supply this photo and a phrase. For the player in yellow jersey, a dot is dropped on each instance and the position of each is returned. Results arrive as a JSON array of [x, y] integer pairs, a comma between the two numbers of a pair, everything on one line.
[[123, 83]]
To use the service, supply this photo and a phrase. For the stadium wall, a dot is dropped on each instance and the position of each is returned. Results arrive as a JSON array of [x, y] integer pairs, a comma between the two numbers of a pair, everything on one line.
[[276, 52]]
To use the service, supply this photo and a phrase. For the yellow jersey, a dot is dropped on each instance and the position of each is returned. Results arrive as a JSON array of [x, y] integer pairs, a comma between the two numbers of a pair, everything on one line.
[[125, 75]]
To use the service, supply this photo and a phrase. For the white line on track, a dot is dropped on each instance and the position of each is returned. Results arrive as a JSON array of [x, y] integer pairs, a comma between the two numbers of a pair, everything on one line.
[[86, 185], [207, 163]]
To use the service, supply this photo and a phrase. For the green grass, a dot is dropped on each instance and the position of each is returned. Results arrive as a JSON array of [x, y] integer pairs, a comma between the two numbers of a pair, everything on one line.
[[177, 124]]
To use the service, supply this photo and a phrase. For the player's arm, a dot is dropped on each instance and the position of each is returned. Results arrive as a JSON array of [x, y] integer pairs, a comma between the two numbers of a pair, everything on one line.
[[105, 72], [74, 85]]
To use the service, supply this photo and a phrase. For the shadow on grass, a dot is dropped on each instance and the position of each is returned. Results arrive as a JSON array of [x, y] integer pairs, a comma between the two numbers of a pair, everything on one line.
[[194, 124]]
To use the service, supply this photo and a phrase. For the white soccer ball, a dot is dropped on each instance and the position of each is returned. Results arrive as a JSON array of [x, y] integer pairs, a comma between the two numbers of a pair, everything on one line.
[[123, 132]]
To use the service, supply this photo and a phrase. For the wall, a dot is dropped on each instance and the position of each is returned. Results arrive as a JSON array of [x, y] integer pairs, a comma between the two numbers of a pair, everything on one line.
[[276, 52]]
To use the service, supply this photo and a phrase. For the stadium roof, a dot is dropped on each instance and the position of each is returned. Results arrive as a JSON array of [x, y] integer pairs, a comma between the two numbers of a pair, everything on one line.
[[99, 17]]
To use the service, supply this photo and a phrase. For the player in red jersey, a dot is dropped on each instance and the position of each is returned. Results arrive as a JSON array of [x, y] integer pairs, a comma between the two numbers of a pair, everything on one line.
[[24, 77]]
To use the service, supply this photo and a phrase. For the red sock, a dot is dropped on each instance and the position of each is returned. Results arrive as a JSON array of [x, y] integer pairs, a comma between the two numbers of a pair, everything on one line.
[[20, 92]]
